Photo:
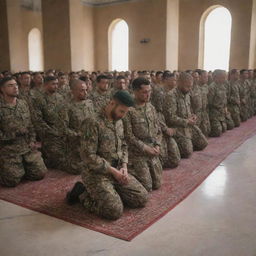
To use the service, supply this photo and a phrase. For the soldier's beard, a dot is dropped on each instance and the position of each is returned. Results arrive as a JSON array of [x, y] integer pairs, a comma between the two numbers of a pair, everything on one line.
[[12, 95], [114, 116]]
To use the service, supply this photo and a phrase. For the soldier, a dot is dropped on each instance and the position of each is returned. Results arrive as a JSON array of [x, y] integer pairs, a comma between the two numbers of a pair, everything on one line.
[[63, 87], [107, 184], [252, 92], [170, 154], [196, 99], [177, 111], [37, 85], [234, 97], [49, 125], [204, 125], [78, 110], [244, 93], [25, 80], [143, 136], [217, 98], [120, 84], [100, 96], [19, 157], [158, 78]]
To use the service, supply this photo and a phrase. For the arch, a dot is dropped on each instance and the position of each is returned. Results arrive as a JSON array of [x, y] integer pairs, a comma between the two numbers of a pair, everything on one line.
[[206, 18], [35, 50], [118, 45]]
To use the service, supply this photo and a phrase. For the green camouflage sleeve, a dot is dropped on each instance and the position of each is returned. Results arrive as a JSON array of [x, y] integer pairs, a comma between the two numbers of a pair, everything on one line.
[[31, 130], [170, 112], [40, 125], [210, 95], [5, 136], [129, 136], [65, 114], [89, 147]]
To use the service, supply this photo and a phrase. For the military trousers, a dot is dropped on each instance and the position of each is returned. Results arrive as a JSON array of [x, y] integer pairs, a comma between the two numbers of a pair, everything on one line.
[[187, 145], [170, 153], [105, 197], [54, 152], [217, 127], [147, 170], [235, 114], [15, 167], [204, 124]]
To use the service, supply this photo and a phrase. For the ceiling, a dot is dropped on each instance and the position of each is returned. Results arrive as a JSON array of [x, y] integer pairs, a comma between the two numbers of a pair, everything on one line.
[[102, 2], [35, 5]]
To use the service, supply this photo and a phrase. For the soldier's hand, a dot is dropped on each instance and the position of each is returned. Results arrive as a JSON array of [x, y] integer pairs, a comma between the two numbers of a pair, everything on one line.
[[118, 176], [152, 151], [157, 150], [22, 131], [191, 121], [33, 146], [125, 178], [149, 150], [170, 132]]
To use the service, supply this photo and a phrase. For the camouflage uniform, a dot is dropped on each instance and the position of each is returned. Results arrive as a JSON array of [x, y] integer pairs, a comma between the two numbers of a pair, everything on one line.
[[142, 127], [205, 122], [170, 154], [74, 115], [177, 111], [217, 99], [99, 100], [102, 146], [50, 127], [229, 120], [234, 102], [244, 89], [196, 102], [253, 96], [17, 159], [64, 90]]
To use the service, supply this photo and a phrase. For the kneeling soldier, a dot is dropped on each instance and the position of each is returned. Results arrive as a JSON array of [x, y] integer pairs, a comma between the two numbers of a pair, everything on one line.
[[107, 185]]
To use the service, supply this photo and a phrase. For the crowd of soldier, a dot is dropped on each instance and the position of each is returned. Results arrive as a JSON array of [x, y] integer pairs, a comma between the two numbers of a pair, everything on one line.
[[118, 130]]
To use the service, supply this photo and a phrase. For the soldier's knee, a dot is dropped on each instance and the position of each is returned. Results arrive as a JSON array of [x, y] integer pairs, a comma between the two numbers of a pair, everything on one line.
[[147, 186], [186, 152], [173, 162], [10, 181], [112, 211], [39, 175], [201, 144], [216, 132], [156, 184], [142, 199]]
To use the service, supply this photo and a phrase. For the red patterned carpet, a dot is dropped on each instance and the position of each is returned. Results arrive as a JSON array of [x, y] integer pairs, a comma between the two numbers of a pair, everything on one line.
[[48, 196]]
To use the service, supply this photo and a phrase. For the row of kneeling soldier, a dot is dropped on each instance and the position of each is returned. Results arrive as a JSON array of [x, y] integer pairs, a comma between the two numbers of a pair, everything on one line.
[[118, 132]]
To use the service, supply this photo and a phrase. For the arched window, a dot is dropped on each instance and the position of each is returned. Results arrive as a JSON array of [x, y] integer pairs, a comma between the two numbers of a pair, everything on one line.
[[35, 50], [214, 48], [118, 35]]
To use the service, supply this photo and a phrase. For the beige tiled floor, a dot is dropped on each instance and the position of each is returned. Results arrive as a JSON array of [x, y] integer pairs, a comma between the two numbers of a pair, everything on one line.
[[217, 219]]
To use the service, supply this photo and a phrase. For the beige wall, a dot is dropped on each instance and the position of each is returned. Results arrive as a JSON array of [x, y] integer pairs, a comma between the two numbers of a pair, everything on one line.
[[20, 22], [30, 20], [252, 58], [189, 21], [76, 36], [4, 38], [146, 19], [81, 36], [56, 34], [172, 34], [17, 44]]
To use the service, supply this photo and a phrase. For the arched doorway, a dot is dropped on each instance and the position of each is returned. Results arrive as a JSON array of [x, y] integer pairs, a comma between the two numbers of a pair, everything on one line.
[[118, 39], [35, 50], [215, 37]]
